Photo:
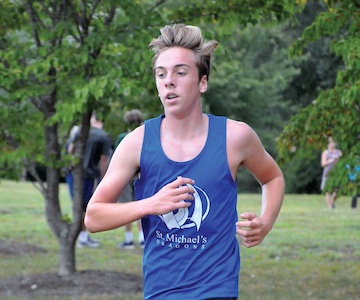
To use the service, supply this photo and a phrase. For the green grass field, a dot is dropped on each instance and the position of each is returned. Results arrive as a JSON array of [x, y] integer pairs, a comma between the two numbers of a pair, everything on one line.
[[312, 252]]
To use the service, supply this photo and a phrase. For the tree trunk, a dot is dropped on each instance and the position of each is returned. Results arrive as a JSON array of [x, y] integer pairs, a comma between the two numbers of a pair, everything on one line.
[[67, 262], [65, 231]]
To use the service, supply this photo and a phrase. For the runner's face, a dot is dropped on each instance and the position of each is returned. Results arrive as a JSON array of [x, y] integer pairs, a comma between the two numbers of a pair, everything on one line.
[[177, 79]]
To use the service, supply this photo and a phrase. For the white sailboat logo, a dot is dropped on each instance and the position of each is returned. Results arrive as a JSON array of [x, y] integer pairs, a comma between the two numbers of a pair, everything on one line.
[[182, 218]]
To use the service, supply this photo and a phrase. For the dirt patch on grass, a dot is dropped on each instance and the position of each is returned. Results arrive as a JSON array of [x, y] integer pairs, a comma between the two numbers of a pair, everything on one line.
[[90, 282], [10, 248], [84, 283]]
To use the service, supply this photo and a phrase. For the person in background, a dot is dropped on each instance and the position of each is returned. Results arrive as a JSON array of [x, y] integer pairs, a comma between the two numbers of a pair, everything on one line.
[[96, 158], [133, 118], [329, 158], [187, 189]]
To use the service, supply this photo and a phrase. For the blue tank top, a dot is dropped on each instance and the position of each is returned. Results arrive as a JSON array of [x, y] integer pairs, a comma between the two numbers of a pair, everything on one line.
[[190, 253]]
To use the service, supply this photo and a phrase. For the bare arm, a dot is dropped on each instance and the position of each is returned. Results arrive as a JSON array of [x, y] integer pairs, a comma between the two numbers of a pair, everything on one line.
[[324, 160], [247, 149], [104, 213]]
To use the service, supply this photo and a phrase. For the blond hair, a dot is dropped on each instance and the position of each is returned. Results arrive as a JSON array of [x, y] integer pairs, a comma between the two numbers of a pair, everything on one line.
[[189, 37]]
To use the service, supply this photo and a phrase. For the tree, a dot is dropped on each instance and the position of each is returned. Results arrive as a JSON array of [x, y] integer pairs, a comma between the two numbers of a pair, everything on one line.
[[318, 69], [318, 65], [336, 111]]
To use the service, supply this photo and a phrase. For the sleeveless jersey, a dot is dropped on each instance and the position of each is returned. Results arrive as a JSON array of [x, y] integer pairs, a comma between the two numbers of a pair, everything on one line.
[[190, 253]]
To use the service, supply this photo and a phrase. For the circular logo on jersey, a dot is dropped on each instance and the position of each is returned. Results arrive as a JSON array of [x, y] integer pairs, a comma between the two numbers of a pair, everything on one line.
[[191, 216]]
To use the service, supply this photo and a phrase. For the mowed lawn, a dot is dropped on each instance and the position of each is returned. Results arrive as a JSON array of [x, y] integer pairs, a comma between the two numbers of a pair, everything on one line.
[[312, 252]]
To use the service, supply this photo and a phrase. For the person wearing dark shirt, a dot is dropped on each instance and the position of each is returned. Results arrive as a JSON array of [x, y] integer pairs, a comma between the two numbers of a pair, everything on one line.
[[96, 159]]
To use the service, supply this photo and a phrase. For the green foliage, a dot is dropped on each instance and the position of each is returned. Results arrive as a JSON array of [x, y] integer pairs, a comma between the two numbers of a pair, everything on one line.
[[319, 66], [318, 69], [336, 111], [342, 181]]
